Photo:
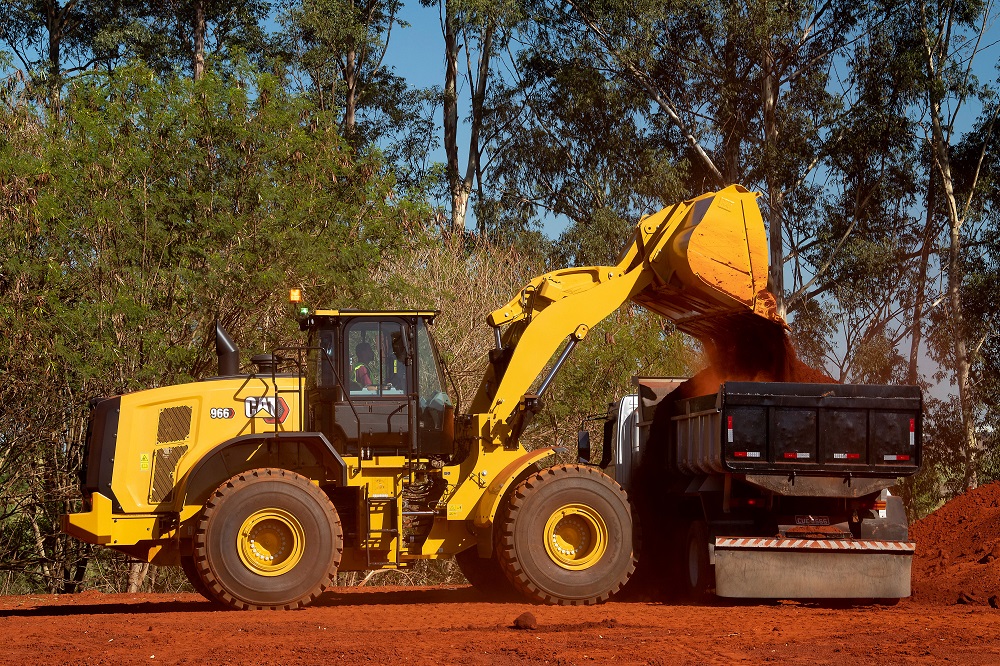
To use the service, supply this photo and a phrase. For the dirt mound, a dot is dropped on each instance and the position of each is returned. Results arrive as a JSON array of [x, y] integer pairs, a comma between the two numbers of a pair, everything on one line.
[[958, 550]]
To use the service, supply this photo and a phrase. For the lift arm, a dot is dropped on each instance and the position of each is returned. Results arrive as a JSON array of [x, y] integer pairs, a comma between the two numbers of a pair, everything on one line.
[[697, 263]]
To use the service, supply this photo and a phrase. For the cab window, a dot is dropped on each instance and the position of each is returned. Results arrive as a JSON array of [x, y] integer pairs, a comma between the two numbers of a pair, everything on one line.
[[433, 395], [373, 368]]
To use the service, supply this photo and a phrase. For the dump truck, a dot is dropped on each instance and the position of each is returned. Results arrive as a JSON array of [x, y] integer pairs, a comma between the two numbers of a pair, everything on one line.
[[769, 489], [347, 453]]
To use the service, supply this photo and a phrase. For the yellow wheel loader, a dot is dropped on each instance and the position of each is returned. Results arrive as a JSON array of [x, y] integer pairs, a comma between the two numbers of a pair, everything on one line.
[[347, 455]]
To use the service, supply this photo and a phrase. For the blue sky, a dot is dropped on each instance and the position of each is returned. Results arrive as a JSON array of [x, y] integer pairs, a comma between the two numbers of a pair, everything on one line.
[[417, 52]]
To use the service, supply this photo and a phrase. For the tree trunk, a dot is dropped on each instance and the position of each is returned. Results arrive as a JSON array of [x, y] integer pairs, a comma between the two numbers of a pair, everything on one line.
[[54, 23], [51, 584], [963, 364], [478, 100], [136, 575], [199, 39], [937, 51], [918, 300], [351, 100], [459, 198], [775, 193]]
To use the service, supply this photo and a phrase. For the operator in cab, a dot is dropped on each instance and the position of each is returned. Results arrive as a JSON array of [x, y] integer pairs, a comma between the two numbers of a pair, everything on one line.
[[363, 370]]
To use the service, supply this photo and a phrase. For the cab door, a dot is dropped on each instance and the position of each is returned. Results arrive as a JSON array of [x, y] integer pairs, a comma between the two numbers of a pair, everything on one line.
[[435, 412], [377, 405]]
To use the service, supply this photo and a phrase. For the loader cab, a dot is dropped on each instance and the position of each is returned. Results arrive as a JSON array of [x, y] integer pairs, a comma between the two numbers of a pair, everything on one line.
[[375, 384]]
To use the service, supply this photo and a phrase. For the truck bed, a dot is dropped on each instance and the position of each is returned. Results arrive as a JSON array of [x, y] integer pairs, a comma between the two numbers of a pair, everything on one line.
[[788, 429]]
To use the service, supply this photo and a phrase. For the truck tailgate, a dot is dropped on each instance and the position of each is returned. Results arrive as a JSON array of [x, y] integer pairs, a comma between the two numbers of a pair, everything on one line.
[[777, 568]]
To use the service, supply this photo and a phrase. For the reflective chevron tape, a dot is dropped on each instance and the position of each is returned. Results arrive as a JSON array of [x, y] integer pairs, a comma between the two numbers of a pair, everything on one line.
[[736, 543]]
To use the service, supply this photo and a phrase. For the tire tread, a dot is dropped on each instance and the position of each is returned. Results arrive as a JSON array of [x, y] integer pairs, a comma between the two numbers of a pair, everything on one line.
[[505, 546], [216, 590]]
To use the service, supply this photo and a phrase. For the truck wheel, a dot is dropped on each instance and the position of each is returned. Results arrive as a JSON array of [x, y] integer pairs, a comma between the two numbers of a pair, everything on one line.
[[268, 538], [699, 578], [566, 536], [485, 575]]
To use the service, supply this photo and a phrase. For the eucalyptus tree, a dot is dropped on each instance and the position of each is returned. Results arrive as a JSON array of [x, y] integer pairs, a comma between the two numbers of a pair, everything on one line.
[[475, 36], [743, 92], [951, 38], [340, 46], [51, 40], [180, 34]]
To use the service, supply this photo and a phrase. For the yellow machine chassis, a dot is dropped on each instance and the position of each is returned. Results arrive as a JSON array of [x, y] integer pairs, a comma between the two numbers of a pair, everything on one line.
[[695, 262]]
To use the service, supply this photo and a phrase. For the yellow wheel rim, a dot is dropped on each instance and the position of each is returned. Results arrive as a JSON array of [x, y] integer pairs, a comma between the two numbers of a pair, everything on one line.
[[270, 542], [576, 537]]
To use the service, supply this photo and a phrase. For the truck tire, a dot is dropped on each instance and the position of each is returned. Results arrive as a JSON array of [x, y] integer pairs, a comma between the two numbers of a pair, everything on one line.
[[485, 575], [268, 538], [699, 575], [566, 536]]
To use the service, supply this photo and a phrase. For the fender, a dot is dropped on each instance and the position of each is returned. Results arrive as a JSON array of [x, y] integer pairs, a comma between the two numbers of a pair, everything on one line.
[[488, 505], [195, 491]]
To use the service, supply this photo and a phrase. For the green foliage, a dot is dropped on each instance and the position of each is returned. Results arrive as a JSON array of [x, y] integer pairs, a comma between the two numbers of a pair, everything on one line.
[[46, 35], [163, 33], [54, 41], [159, 206], [942, 469], [340, 46], [131, 220], [580, 143]]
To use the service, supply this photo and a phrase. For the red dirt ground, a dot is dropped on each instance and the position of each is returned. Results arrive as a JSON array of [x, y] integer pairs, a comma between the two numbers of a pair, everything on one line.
[[958, 552], [948, 619], [453, 626]]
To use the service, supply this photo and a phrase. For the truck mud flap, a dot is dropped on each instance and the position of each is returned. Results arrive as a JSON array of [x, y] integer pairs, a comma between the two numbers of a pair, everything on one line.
[[769, 568]]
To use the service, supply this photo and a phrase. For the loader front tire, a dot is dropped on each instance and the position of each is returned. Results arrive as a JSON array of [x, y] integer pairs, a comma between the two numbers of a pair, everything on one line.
[[486, 575], [566, 536], [191, 571], [268, 538]]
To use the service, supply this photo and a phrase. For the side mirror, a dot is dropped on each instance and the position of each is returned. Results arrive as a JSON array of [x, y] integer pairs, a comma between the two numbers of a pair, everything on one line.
[[399, 347], [583, 447]]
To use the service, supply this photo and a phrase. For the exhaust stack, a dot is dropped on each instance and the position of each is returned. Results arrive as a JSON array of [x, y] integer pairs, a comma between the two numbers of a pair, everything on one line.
[[227, 352]]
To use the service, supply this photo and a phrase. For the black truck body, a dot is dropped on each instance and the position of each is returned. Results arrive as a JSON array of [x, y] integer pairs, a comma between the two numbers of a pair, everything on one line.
[[771, 489]]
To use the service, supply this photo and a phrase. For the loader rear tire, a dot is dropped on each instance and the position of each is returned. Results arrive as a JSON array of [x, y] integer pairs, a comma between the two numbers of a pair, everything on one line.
[[566, 536], [268, 538]]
